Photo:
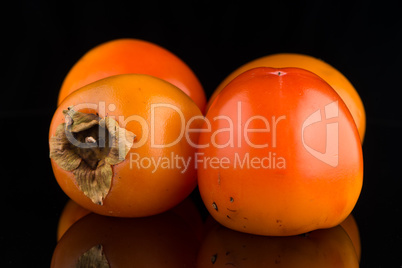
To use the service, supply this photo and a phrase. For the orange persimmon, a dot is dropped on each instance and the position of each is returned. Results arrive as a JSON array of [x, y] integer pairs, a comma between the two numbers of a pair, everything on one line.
[[331, 75], [279, 154], [121, 146], [124, 56]]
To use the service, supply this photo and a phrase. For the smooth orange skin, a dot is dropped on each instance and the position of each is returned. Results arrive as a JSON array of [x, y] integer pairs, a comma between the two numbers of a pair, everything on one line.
[[307, 194], [327, 72], [321, 248], [136, 192], [163, 240], [124, 56]]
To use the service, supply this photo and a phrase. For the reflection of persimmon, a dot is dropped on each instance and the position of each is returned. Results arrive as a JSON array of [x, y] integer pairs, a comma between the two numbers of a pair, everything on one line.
[[351, 227], [163, 240], [321, 248], [71, 213], [187, 210]]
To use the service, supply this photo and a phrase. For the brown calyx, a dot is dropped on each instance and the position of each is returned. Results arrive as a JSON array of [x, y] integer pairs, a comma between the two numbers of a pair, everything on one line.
[[94, 257], [88, 146]]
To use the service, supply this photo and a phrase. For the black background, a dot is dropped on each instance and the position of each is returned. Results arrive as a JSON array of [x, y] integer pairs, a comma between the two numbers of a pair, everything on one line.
[[41, 41]]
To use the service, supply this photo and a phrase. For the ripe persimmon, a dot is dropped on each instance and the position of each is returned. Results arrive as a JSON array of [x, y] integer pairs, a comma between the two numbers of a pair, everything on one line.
[[330, 74], [223, 247], [279, 154], [121, 146], [127, 55], [163, 240]]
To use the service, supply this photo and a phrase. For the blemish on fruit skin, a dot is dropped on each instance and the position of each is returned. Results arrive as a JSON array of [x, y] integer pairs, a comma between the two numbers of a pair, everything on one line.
[[215, 206], [227, 216], [213, 258], [231, 199], [231, 210]]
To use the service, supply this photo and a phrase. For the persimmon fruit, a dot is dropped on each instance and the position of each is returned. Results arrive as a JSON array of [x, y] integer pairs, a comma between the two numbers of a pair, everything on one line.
[[120, 146], [128, 55], [330, 74], [279, 154]]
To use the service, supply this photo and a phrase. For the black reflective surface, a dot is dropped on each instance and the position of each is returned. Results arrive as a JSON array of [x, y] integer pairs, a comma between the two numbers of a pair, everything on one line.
[[42, 42]]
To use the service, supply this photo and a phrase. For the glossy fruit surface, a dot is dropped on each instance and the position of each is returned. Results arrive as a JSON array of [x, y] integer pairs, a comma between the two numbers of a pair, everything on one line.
[[124, 56], [327, 72], [120, 146], [279, 155]]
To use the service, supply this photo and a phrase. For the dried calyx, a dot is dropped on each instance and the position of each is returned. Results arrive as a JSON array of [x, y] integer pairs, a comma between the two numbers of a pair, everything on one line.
[[94, 257], [88, 146]]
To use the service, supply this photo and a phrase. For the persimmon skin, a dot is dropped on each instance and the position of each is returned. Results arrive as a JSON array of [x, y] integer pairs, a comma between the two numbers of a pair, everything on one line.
[[305, 193], [124, 56], [136, 191], [331, 75]]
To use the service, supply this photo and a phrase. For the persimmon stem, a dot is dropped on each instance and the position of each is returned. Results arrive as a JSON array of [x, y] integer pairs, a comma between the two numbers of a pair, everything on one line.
[[90, 139]]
